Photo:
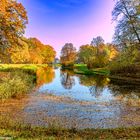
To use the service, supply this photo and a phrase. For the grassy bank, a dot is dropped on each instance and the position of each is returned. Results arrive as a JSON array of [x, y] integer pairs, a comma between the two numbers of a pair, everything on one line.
[[31, 68], [82, 69], [129, 75], [18, 131]]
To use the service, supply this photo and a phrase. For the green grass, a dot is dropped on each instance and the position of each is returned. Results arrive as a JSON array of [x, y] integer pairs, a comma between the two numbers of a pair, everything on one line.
[[82, 69], [25, 67]]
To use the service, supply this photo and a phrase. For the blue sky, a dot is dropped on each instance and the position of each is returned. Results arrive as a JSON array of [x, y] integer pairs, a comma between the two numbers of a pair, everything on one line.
[[57, 22]]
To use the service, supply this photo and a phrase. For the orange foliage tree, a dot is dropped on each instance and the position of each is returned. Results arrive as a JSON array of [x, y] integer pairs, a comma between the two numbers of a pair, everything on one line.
[[40, 53], [68, 55], [13, 20]]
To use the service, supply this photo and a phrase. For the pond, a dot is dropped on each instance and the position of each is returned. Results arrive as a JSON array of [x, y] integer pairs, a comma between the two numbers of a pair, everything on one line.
[[84, 88], [77, 101]]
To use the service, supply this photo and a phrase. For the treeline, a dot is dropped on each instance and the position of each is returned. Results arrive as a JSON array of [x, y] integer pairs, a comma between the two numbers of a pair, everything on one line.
[[96, 55], [126, 14], [123, 54], [14, 48]]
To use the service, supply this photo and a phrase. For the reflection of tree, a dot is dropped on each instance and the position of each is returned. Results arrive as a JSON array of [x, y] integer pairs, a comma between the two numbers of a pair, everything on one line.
[[67, 79], [96, 84], [124, 90], [44, 75]]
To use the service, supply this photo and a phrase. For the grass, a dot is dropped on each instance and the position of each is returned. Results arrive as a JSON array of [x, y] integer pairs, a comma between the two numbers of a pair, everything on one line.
[[18, 79], [31, 68], [27, 132], [82, 69], [15, 84]]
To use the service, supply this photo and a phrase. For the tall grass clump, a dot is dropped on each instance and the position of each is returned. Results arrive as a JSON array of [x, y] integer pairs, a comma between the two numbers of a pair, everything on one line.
[[15, 84]]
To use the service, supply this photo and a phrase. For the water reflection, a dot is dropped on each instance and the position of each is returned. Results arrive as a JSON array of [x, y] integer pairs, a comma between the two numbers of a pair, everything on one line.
[[45, 76], [96, 84], [80, 87], [67, 79], [125, 91]]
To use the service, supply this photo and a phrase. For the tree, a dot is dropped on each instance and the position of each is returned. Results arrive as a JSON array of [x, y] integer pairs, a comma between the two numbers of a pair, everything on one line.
[[48, 54], [19, 53], [97, 57], [13, 20], [96, 42], [127, 15], [68, 55], [87, 55], [40, 53]]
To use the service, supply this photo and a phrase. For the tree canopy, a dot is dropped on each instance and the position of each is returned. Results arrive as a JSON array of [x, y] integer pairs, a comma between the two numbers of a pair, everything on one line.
[[13, 20], [127, 15], [14, 48], [68, 54]]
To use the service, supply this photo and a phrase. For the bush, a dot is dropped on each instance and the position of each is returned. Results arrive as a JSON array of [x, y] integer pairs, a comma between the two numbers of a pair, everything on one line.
[[126, 62], [15, 84]]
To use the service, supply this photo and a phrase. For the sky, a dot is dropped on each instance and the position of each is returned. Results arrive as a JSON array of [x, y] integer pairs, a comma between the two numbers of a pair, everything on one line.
[[57, 22]]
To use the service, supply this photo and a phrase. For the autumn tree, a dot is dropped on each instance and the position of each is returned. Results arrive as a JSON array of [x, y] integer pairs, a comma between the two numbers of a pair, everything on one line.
[[19, 53], [127, 15], [68, 55], [13, 20], [48, 54], [40, 53]]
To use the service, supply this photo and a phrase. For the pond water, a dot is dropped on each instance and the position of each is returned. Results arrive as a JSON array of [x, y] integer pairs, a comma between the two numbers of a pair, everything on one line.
[[85, 88], [78, 101]]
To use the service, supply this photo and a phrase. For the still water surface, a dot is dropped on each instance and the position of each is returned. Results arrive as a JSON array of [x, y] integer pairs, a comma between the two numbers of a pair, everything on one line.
[[85, 88]]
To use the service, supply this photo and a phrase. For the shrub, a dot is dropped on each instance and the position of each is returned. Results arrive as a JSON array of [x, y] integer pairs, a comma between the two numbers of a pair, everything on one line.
[[126, 62], [15, 84]]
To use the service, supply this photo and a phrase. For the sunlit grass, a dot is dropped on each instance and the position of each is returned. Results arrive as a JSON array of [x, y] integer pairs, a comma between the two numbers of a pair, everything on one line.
[[25, 67], [82, 69]]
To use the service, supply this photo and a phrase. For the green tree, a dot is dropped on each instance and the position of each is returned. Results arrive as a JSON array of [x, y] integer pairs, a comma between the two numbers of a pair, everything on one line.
[[87, 55]]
